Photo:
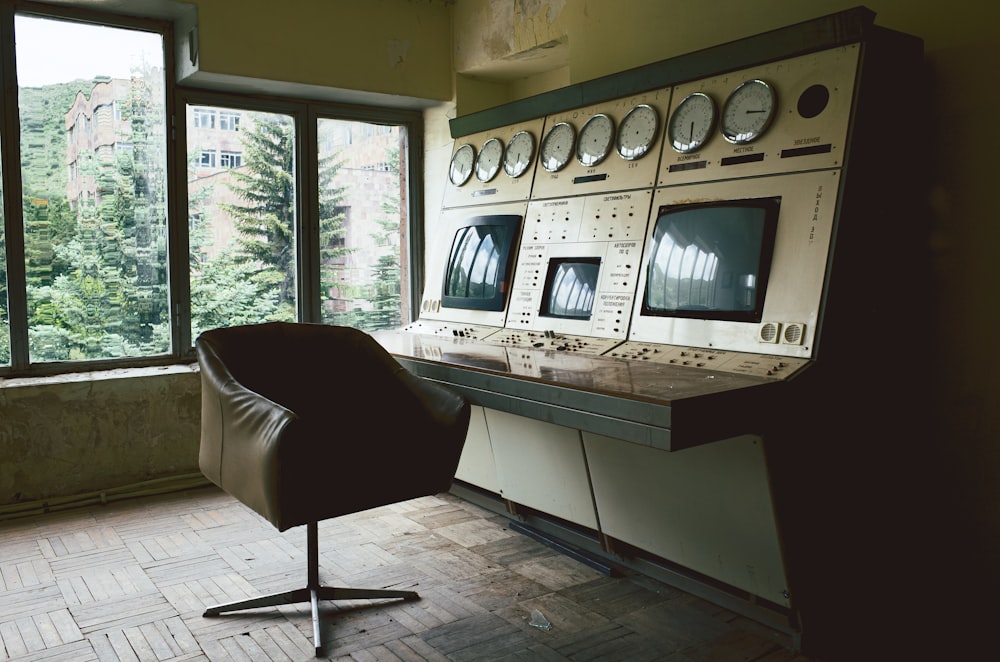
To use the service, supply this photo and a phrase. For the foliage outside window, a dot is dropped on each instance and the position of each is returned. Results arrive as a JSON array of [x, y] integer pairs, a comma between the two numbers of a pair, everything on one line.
[[95, 240]]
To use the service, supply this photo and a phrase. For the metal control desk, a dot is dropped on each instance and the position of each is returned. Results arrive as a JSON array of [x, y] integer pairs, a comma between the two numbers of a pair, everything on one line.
[[669, 407]]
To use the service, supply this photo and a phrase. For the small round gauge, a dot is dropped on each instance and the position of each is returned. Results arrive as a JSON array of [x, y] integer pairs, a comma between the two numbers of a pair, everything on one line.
[[748, 112], [520, 151], [691, 123], [557, 147], [488, 161], [595, 140], [637, 132], [461, 164]]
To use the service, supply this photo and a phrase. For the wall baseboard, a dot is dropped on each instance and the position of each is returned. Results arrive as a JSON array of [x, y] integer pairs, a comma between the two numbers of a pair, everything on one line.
[[98, 497]]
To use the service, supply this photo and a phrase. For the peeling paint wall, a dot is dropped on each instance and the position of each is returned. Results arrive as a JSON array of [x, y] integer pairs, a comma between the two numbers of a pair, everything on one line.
[[493, 35], [69, 435]]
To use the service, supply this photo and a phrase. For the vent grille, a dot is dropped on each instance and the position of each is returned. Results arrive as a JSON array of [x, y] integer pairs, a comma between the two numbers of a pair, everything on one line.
[[793, 334], [769, 332]]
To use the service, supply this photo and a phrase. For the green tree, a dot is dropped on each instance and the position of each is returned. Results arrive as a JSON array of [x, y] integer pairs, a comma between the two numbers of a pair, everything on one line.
[[332, 238], [99, 290], [265, 222]]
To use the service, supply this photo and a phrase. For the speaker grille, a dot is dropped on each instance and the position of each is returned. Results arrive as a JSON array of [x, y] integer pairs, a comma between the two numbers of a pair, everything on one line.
[[793, 334], [769, 332]]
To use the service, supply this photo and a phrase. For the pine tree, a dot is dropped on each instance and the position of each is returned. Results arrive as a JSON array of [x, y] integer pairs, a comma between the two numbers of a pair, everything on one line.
[[332, 236], [265, 223]]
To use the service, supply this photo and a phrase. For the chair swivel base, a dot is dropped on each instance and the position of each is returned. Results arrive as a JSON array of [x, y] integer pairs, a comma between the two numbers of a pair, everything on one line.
[[313, 592], [311, 595]]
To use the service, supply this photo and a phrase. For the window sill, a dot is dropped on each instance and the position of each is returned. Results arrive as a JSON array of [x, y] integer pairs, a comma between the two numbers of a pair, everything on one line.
[[99, 375]]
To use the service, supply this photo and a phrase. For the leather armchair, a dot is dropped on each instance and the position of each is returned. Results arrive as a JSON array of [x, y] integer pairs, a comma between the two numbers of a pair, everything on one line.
[[304, 422]]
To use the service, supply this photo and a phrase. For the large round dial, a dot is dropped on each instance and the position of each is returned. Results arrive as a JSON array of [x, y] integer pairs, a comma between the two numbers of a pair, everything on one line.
[[691, 123], [520, 151], [748, 112], [557, 147], [461, 164], [488, 161], [595, 140], [637, 132]]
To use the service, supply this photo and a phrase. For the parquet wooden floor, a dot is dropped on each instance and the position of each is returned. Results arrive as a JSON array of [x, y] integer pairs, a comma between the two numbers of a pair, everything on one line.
[[131, 579]]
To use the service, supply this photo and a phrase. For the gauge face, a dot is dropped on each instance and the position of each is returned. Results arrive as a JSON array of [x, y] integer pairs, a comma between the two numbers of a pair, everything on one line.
[[748, 112], [461, 164], [692, 123], [637, 132], [520, 151], [557, 147], [488, 161], [595, 140]]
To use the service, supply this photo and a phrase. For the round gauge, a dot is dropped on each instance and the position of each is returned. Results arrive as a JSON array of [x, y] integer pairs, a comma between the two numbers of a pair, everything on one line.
[[520, 151], [488, 161], [461, 164], [691, 123], [637, 132], [748, 112], [557, 147], [595, 140]]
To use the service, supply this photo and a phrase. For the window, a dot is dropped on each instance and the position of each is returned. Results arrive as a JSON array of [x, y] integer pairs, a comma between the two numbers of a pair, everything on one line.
[[362, 220], [245, 236], [280, 217], [230, 159], [94, 273], [244, 267], [203, 118], [229, 120], [207, 158]]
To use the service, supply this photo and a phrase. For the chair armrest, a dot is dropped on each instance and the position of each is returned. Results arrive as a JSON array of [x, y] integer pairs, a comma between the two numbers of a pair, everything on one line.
[[241, 435]]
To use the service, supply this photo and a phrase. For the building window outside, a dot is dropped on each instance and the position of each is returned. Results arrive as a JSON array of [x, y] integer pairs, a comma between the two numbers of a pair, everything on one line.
[[207, 158], [229, 121], [204, 118], [230, 159]]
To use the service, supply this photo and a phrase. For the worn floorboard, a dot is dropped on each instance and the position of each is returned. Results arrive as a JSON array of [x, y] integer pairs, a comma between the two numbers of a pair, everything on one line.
[[130, 581]]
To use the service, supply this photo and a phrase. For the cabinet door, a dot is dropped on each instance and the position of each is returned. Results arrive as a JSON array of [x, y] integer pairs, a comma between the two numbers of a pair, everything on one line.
[[476, 465], [707, 508], [542, 466]]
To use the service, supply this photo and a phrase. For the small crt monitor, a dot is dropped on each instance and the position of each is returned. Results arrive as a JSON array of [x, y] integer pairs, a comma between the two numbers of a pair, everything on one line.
[[570, 286], [711, 260], [480, 262]]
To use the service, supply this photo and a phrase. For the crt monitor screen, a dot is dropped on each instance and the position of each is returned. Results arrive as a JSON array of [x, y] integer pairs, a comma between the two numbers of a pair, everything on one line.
[[711, 260], [570, 286], [480, 262]]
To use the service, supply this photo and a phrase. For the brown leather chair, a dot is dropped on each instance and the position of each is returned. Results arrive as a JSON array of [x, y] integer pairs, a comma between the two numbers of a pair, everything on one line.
[[304, 422]]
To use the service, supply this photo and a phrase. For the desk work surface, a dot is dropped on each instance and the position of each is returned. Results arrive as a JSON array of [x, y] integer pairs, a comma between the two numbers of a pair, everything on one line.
[[666, 406]]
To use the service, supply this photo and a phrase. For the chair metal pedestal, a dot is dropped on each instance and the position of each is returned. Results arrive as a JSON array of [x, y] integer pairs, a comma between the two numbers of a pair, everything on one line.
[[313, 592]]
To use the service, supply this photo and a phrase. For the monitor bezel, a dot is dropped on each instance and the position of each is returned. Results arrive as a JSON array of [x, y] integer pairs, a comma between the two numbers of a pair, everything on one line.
[[550, 272], [498, 302], [772, 208]]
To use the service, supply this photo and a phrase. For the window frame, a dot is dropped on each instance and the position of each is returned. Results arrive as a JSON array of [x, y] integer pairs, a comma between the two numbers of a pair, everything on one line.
[[305, 112]]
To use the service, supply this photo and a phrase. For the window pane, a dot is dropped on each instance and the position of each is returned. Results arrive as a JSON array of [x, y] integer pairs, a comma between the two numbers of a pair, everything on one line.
[[242, 211], [93, 165], [362, 224]]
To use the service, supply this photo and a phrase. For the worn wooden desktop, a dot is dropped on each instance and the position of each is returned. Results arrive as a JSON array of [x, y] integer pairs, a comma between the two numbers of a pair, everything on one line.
[[670, 407]]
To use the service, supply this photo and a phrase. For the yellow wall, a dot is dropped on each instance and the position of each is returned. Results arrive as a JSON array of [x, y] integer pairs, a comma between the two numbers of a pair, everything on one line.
[[392, 47]]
